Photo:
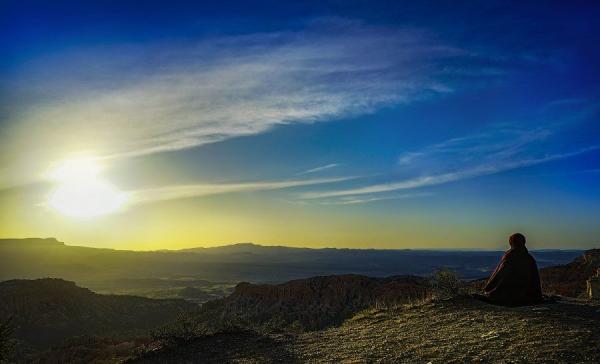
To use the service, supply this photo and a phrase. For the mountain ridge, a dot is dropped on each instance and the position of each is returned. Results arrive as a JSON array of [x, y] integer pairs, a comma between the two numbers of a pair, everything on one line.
[[102, 268], [259, 246]]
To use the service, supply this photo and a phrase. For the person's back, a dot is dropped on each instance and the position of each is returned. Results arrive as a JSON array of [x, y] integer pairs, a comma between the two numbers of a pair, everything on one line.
[[516, 279]]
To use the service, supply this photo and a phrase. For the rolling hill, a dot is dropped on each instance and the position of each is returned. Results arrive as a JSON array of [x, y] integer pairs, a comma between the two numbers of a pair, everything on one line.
[[45, 312]]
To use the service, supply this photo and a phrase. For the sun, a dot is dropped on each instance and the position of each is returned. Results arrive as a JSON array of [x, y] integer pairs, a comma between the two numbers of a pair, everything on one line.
[[81, 192]]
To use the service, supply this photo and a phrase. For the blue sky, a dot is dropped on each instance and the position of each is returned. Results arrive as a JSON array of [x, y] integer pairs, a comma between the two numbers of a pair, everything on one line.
[[368, 124]]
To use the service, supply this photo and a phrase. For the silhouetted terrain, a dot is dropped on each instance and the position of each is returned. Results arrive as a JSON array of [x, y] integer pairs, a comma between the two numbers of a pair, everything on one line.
[[45, 312], [214, 271]]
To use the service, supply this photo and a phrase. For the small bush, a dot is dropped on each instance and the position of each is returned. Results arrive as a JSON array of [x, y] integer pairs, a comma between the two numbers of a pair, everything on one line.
[[446, 284]]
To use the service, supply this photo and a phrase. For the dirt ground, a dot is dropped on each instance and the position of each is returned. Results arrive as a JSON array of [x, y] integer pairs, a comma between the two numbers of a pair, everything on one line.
[[458, 330]]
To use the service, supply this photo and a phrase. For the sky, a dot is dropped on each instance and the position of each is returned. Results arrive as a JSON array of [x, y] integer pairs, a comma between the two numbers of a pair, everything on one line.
[[358, 124]]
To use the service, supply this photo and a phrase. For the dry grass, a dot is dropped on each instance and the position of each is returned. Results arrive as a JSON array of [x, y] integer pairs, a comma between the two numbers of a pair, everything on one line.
[[460, 330], [455, 330]]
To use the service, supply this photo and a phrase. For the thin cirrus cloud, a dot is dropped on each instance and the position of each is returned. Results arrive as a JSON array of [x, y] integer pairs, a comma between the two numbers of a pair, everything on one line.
[[355, 200], [136, 100], [174, 192], [320, 168], [494, 151]]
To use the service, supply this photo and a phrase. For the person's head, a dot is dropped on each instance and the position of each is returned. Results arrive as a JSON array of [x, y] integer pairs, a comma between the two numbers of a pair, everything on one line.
[[517, 240]]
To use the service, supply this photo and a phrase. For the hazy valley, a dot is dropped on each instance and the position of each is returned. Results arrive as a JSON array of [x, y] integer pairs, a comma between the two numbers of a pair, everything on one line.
[[206, 273]]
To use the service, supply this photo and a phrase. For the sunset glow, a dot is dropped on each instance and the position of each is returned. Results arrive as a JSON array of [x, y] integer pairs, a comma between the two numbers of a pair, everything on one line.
[[81, 193], [318, 124]]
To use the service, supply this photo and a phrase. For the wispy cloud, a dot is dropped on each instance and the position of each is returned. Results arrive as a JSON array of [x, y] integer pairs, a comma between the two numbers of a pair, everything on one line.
[[136, 100], [198, 190], [319, 169], [494, 151], [362, 200], [492, 145]]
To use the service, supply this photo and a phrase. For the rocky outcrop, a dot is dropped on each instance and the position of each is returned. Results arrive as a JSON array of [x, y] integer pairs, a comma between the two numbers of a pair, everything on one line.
[[570, 279], [317, 302]]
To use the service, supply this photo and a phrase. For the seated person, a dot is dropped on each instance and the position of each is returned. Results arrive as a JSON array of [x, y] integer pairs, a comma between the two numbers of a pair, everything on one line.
[[516, 280]]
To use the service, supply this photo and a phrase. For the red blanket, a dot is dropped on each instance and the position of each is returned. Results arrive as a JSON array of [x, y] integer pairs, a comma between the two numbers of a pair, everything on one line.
[[516, 280]]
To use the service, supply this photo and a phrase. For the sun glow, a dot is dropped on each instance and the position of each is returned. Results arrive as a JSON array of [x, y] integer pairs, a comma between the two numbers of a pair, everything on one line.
[[81, 191]]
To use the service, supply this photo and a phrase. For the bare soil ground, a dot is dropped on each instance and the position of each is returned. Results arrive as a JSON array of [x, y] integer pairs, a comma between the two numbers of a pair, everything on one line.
[[458, 330]]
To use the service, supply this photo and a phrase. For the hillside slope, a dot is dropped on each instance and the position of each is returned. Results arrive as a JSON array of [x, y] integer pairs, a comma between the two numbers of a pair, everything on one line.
[[570, 279], [313, 303], [47, 311]]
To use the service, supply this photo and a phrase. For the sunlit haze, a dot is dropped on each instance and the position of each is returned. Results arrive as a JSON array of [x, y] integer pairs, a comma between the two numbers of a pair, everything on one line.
[[81, 192], [317, 124]]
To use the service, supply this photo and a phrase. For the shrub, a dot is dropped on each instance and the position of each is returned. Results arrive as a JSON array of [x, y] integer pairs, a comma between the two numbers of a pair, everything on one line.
[[445, 283]]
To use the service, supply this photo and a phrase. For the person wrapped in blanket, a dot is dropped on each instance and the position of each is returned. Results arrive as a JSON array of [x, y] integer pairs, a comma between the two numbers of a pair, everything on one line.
[[516, 280]]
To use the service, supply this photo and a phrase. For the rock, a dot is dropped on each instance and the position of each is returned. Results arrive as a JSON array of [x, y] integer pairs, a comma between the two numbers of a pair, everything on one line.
[[593, 286], [571, 279]]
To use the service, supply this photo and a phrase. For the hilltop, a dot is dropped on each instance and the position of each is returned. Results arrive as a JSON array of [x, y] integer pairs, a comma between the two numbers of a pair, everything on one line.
[[457, 330]]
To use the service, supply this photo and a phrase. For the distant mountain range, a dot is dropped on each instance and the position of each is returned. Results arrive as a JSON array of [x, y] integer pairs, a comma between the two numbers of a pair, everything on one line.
[[97, 268]]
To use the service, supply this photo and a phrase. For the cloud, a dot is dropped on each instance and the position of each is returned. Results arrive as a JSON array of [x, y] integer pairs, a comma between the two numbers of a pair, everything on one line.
[[155, 194], [492, 145], [133, 100], [360, 200], [494, 151], [320, 168]]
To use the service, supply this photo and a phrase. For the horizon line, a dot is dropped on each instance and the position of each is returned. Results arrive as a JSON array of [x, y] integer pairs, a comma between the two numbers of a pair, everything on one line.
[[189, 250]]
